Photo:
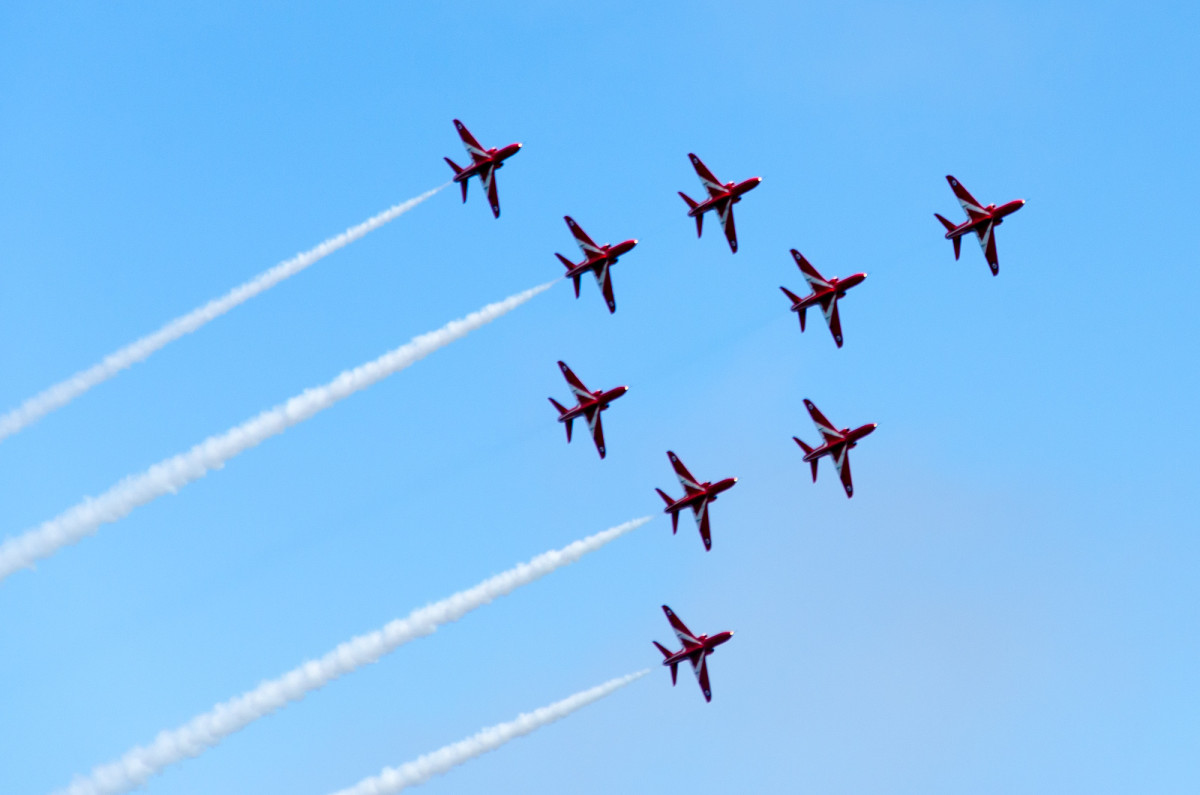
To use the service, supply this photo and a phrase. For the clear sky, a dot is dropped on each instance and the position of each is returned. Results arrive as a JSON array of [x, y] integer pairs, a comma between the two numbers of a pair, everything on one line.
[[1008, 604]]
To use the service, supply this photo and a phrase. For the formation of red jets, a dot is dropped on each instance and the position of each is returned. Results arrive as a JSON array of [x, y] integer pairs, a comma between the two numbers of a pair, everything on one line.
[[825, 293]]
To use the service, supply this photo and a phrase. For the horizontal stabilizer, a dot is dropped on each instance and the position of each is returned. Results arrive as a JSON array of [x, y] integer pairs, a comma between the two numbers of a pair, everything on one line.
[[950, 227], [561, 411], [807, 450], [666, 655], [674, 514], [568, 265], [458, 171]]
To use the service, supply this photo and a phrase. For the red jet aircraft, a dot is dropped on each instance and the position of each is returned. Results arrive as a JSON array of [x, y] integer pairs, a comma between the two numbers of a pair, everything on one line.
[[980, 220], [695, 650], [590, 405], [597, 259], [837, 445], [696, 495], [721, 197], [484, 163], [825, 292]]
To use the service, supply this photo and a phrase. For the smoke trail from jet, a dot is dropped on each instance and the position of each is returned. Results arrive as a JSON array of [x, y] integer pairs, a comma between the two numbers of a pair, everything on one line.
[[64, 392], [174, 473], [421, 769], [206, 730]]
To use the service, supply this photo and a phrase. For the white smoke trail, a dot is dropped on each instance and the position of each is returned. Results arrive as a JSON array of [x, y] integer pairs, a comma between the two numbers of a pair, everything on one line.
[[64, 392], [173, 473], [206, 730], [420, 770]]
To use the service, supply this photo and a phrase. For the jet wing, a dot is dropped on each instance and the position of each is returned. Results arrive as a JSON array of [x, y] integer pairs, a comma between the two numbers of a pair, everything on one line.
[[686, 479], [681, 631], [487, 176], [725, 212], [841, 460], [829, 306], [586, 244], [816, 282], [577, 387], [987, 241], [970, 205], [701, 512], [711, 183], [604, 279], [473, 147], [700, 668], [597, 428], [826, 428]]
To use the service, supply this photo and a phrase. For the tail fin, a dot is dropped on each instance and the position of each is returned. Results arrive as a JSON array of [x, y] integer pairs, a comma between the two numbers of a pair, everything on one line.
[[666, 655], [458, 171], [692, 205], [950, 227], [561, 411], [568, 265], [808, 450], [803, 311], [674, 515]]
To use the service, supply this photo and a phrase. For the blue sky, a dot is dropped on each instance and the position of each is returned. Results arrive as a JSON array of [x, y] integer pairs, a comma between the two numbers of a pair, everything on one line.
[[1008, 604]]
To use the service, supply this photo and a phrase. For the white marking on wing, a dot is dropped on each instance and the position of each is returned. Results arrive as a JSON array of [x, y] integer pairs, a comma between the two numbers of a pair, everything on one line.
[[828, 308], [839, 460], [983, 236]]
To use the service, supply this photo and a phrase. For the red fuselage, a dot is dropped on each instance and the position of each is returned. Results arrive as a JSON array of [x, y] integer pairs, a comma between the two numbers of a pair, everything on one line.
[[733, 191], [595, 262], [706, 644], [993, 215], [708, 491], [849, 440], [494, 160], [599, 402], [837, 287]]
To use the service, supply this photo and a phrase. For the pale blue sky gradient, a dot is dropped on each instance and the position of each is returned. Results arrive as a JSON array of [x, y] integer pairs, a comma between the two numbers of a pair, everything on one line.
[[1008, 604]]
